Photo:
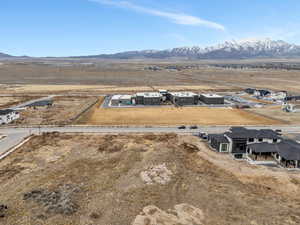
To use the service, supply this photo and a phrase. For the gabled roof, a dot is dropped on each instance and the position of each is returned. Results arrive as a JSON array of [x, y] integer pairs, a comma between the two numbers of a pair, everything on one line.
[[241, 132], [219, 137], [288, 149], [264, 147]]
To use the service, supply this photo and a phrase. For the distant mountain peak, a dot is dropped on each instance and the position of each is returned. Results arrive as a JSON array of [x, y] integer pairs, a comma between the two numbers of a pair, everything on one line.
[[3, 55], [233, 49]]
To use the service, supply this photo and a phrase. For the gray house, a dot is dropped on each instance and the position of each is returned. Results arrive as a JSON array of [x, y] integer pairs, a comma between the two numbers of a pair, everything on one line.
[[285, 152], [237, 139], [218, 142]]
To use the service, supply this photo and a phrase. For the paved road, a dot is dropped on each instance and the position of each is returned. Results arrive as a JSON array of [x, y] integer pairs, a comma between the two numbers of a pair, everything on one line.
[[16, 135]]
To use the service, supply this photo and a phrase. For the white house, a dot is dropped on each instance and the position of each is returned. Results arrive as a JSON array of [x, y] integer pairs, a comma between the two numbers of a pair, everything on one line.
[[8, 115]]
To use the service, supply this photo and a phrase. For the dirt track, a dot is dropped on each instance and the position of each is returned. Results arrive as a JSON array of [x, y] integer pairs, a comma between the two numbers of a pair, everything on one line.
[[106, 172]]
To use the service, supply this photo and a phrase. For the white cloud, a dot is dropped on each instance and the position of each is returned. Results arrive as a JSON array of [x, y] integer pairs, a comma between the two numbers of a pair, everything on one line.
[[178, 18]]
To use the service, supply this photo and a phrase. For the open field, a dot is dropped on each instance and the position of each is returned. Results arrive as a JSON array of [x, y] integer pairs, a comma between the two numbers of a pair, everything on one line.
[[6, 102], [172, 116], [117, 76], [104, 89], [277, 113], [63, 111], [66, 179]]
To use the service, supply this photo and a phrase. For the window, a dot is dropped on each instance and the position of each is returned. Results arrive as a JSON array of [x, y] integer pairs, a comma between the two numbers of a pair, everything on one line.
[[260, 140], [274, 140], [251, 139], [224, 148]]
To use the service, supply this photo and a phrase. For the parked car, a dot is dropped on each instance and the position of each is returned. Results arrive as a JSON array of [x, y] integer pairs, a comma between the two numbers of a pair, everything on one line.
[[203, 135], [193, 127], [182, 127]]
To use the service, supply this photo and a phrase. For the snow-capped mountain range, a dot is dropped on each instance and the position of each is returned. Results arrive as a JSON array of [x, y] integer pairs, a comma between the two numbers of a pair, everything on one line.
[[265, 48], [244, 49]]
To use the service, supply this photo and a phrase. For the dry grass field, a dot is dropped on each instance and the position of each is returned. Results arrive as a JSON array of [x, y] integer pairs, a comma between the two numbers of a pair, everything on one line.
[[173, 116], [105, 89], [6, 102], [63, 111], [66, 179], [122, 75], [277, 113]]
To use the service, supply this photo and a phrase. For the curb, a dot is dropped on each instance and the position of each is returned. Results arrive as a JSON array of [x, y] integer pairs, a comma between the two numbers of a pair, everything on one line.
[[11, 150]]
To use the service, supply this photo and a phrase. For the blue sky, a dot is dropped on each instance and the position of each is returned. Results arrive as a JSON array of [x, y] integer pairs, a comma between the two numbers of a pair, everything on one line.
[[85, 27]]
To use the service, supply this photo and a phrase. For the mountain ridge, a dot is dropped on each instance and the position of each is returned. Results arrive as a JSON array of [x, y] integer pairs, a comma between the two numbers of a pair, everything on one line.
[[243, 49], [3, 55], [228, 50]]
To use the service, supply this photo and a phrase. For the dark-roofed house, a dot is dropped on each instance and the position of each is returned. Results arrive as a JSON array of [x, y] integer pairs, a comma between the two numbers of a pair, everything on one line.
[[292, 98], [8, 115], [285, 152], [240, 137], [42, 103], [263, 93], [262, 151], [237, 139], [250, 91], [218, 142]]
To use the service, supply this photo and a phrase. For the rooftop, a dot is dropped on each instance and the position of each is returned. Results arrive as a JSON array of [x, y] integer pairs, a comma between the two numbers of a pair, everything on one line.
[[212, 96], [5, 111], [149, 94], [288, 149], [115, 97], [118, 97], [41, 103], [219, 137], [125, 96], [241, 132], [183, 94]]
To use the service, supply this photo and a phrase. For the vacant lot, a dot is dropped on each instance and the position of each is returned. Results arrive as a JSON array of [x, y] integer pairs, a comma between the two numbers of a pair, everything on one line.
[[63, 111], [6, 102], [277, 113], [173, 116], [91, 179]]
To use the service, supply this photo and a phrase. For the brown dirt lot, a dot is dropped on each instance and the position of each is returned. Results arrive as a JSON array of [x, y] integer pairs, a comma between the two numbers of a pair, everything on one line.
[[173, 116], [63, 111], [106, 171]]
